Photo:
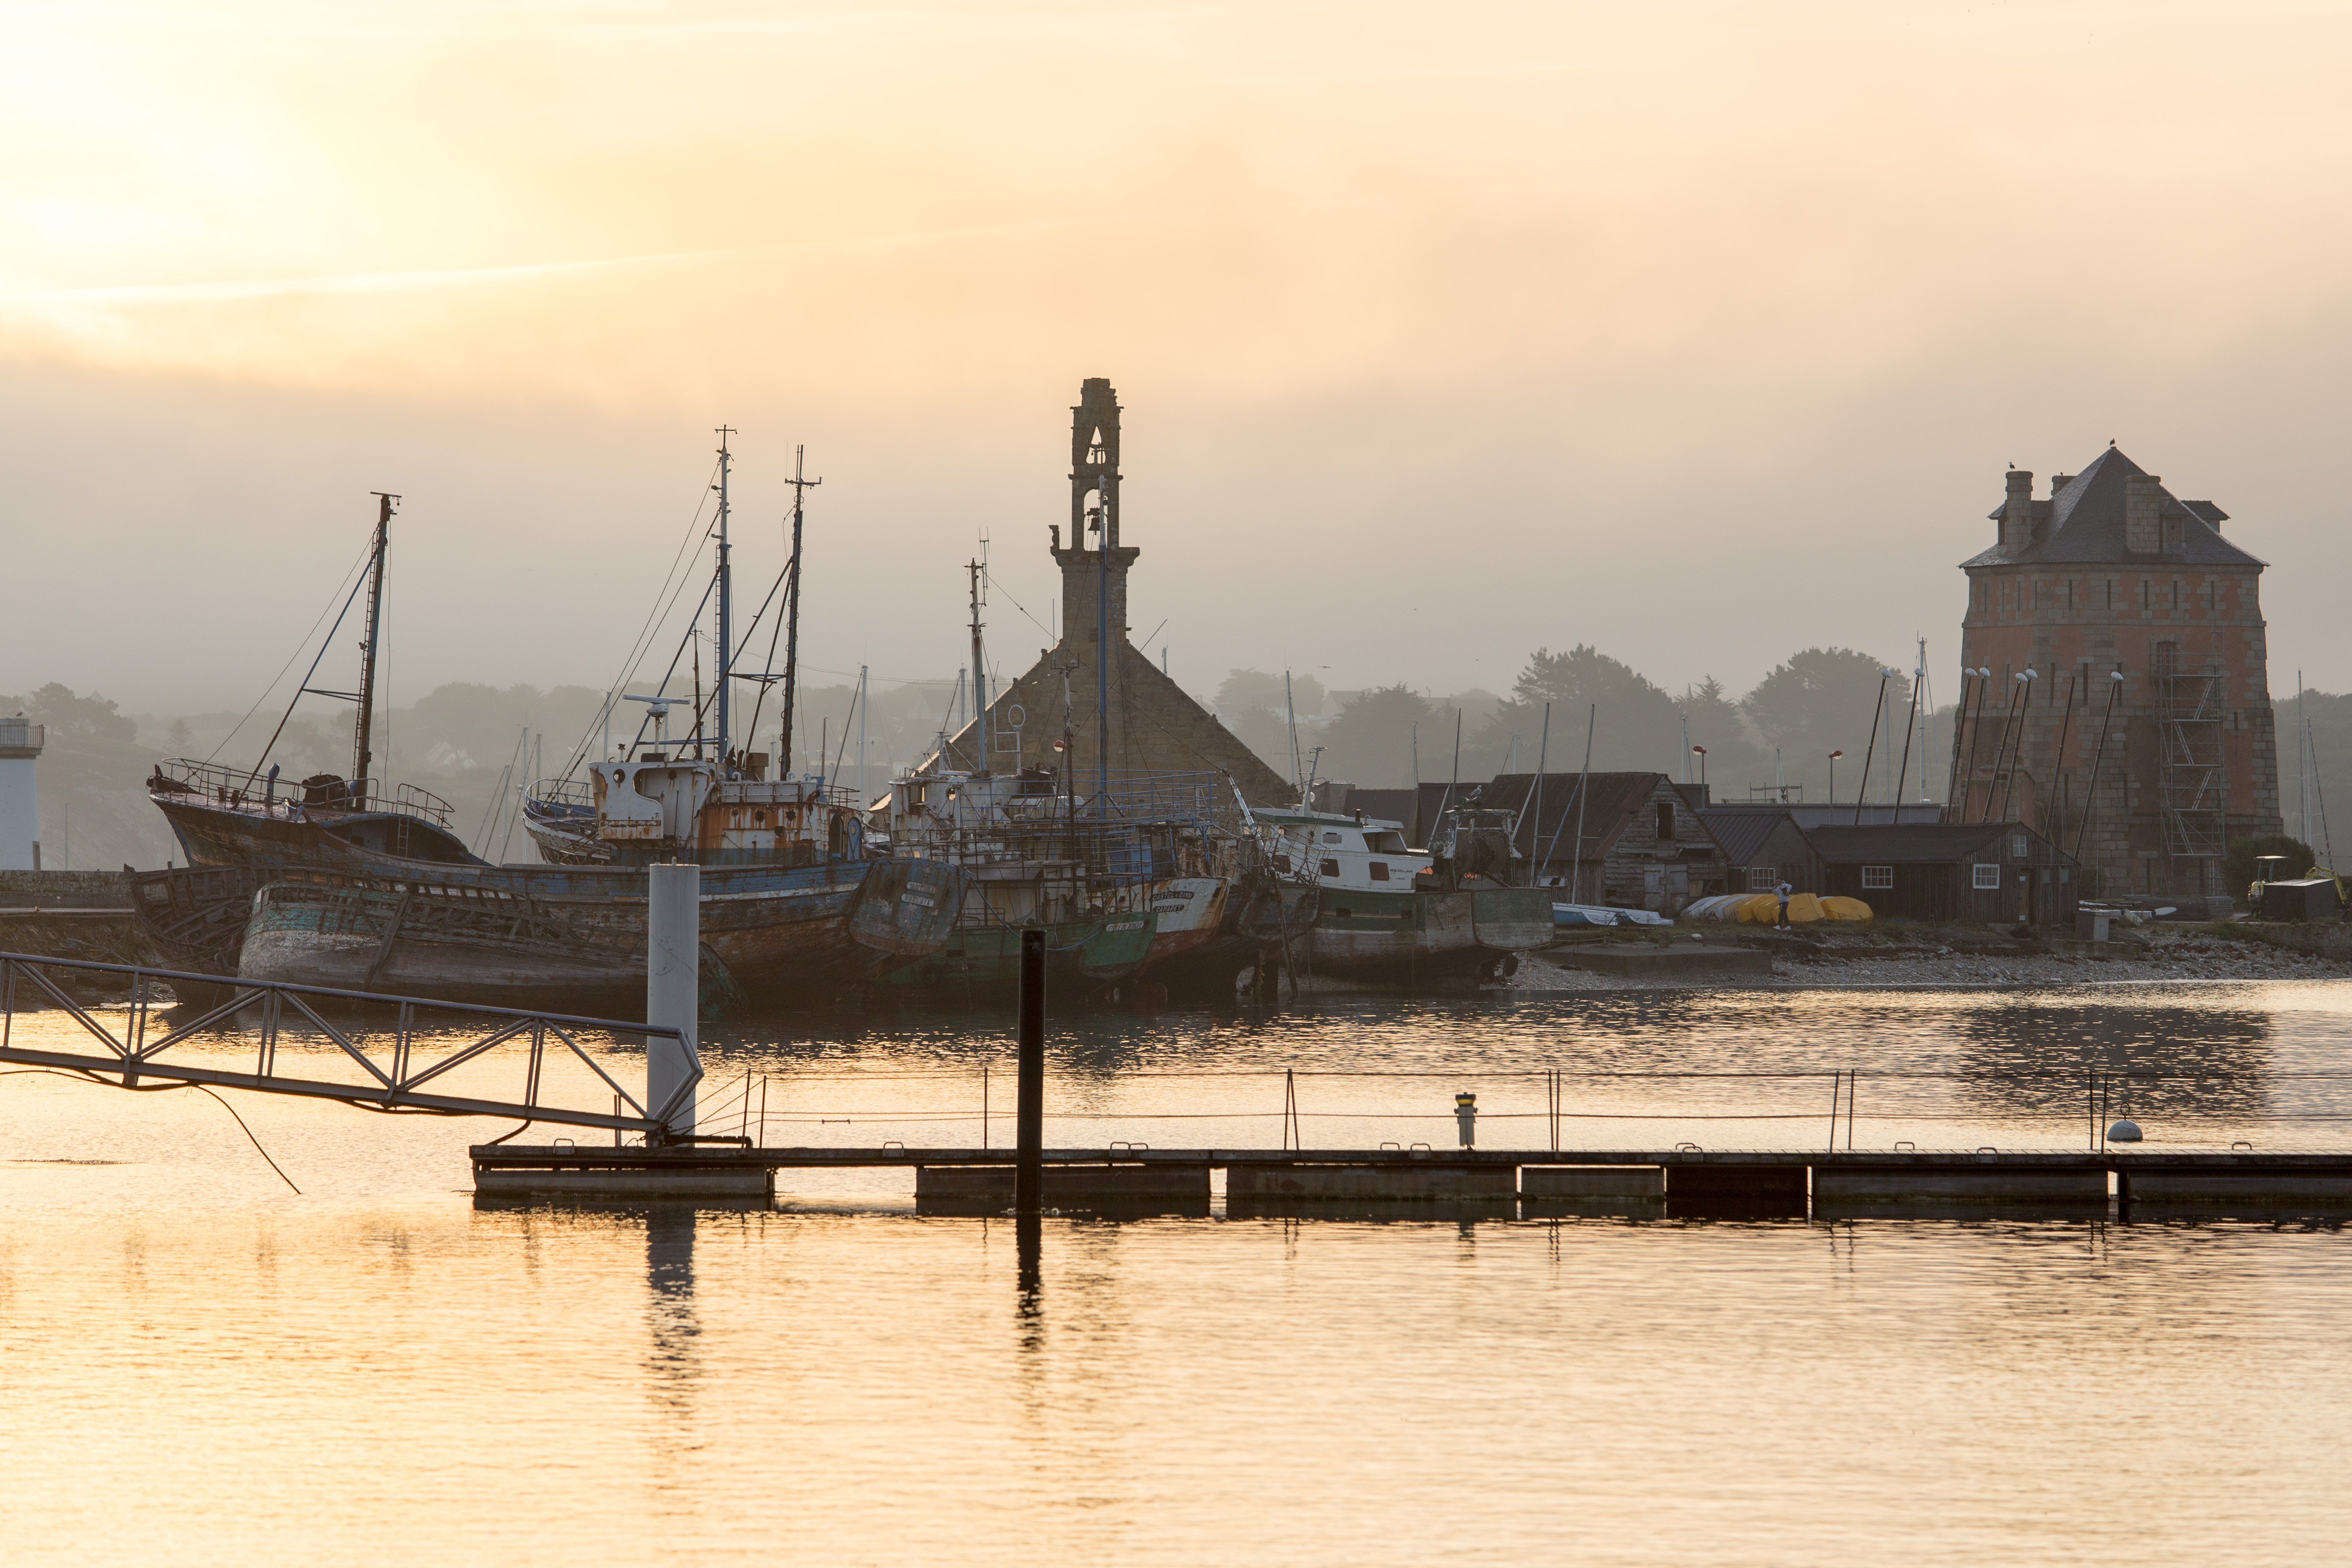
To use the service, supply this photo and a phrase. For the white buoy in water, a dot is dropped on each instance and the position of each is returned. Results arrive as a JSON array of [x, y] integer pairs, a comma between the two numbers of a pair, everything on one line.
[[2125, 1130]]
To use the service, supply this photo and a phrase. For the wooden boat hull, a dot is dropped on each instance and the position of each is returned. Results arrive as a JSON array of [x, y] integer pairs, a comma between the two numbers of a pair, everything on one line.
[[1427, 937], [803, 936]]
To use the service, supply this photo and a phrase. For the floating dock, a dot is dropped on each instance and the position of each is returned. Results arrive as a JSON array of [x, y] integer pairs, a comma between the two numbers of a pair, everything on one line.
[[1683, 1181]]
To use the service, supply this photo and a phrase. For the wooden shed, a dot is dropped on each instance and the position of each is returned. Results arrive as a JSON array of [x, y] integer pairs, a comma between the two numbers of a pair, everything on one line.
[[2000, 873], [1763, 847], [1643, 845]]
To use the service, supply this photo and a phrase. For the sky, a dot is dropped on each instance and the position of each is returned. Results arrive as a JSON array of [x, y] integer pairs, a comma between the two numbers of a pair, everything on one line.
[[1701, 332]]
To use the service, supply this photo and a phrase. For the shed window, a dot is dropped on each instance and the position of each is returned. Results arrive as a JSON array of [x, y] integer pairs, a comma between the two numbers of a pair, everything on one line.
[[1330, 867], [2017, 846], [1986, 876], [1666, 822], [1763, 878], [1878, 876], [1380, 870]]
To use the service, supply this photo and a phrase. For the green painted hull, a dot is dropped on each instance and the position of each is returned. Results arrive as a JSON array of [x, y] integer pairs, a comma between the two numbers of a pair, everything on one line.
[[1093, 954]]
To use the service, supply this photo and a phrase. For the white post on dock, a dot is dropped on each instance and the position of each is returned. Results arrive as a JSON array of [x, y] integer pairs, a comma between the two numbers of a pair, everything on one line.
[[673, 983]]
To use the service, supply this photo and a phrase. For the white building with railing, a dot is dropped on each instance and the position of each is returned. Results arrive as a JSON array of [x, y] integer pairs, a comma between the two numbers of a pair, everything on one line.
[[20, 801]]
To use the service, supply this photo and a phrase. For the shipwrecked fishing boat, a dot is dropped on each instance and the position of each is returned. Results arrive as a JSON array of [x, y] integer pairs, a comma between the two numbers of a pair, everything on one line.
[[1140, 890], [795, 908], [1390, 915]]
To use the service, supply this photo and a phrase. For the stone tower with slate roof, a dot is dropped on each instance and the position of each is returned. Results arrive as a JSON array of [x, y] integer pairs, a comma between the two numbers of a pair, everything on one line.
[[1154, 727], [2111, 577]]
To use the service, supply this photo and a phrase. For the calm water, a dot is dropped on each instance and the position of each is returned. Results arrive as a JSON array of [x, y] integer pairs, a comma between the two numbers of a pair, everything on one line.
[[197, 1365]]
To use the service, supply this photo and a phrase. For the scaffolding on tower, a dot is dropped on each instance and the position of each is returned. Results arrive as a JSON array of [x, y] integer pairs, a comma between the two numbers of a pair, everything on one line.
[[2194, 782]]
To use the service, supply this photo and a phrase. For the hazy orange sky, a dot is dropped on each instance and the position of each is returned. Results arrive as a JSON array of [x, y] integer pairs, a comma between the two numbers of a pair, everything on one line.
[[1698, 332]]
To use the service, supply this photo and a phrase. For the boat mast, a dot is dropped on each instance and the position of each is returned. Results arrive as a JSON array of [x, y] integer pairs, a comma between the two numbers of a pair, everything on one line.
[[726, 591], [979, 690], [792, 617], [360, 755]]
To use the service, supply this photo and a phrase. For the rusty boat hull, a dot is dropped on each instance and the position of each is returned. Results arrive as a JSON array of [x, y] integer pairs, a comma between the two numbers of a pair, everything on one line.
[[801, 935], [1428, 938]]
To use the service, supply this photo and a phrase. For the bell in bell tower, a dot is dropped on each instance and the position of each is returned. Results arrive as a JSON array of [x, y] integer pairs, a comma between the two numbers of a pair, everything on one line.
[[1094, 520]]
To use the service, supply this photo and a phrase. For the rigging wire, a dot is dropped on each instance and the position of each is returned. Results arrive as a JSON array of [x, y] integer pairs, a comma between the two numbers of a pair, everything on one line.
[[653, 617], [290, 657], [305, 684]]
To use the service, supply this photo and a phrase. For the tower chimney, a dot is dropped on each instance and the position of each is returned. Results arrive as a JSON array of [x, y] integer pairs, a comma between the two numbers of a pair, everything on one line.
[[2017, 513]]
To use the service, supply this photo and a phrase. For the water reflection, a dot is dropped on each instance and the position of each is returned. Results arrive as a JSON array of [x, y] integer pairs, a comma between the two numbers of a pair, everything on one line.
[[2037, 1058], [674, 1358]]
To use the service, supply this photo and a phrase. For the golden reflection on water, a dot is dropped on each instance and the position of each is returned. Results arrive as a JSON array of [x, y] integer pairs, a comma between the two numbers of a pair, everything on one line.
[[197, 1366]]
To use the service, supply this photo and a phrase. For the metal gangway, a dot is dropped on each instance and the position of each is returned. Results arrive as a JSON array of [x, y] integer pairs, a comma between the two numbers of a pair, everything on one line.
[[399, 1074]]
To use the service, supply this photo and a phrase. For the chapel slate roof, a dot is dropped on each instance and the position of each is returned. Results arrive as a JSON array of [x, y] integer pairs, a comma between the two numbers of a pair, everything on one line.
[[2083, 522]]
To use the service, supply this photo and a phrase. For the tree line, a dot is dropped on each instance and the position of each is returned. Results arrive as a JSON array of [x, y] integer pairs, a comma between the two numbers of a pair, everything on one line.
[[1817, 702]]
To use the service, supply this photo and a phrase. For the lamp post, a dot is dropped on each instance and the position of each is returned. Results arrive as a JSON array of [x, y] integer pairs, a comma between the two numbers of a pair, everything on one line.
[[1834, 757], [1702, 766]]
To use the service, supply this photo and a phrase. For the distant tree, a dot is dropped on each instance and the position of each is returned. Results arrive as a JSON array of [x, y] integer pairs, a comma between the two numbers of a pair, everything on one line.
[[1824, 699], [1244, 688], [1718, 723], [1264, 733], [179, 738], [1369, 741], [1636, 724], [56, 707]]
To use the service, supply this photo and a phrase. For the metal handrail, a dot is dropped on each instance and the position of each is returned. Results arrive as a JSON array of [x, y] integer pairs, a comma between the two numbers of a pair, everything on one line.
[[395, 1083], [242, 789]]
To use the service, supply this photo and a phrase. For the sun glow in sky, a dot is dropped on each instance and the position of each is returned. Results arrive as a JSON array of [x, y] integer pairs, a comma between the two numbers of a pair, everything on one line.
[[1698, 332]]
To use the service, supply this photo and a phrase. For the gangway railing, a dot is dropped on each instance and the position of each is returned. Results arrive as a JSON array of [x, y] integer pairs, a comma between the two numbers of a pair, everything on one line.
[[396, 1074]]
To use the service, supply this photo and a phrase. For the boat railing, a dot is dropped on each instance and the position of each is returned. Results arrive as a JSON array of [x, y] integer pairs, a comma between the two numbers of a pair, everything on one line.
[[1132, 797], [248, 789], [1116, 852], [561, 797]]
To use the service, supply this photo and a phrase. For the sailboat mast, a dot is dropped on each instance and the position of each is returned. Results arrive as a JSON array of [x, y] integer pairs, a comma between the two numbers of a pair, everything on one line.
[[792, 618], [979, 676], [360, 755], [726, 591]]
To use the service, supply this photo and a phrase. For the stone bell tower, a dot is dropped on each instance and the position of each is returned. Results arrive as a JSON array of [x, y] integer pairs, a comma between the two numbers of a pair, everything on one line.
[[1093, 517], [1124, 714]]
